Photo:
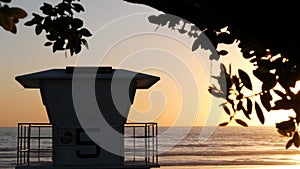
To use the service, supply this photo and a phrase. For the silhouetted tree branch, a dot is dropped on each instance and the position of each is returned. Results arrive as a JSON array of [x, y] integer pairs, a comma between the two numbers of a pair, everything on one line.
[[267, 36], [63, 30], [9, 16]]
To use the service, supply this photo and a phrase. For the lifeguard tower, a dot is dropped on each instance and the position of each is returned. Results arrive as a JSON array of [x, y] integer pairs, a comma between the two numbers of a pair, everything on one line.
[[64, 143]]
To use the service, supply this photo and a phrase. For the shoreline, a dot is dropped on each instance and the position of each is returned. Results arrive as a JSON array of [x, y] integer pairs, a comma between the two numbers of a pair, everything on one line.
[[246, 166], [234, 165]]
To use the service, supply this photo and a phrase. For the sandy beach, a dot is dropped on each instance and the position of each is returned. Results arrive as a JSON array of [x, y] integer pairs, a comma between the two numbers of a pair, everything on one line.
[[234, 167]]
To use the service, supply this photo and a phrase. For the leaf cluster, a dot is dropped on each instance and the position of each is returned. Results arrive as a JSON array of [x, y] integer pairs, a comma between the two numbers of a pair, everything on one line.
[[288, 128], [266, 35], [233, 91], [10, 16], [63, 30], [239, 102], [215, 36]]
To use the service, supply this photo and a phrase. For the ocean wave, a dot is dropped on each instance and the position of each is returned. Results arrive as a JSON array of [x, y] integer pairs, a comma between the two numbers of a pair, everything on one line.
[[228, 153], [5, 149], [3, 156], [195, 145]]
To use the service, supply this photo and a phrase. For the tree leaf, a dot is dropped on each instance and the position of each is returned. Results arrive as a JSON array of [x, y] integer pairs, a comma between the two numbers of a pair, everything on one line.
[[6, 1], [85, 32], [37, 19], [85, 43], [253, 60], [215, 92], [48, 44], [38, 29], [18, 12], [76, 23], [16, 20], [46, 9], [265, 76], [282, 133], [237, 83], [282, 104], [225, 38], [72, 51], [269, 84], [288, 125], [241, 122], [259, 113], [249, 106], [239, 97], [296, 139], [197, 42], [265, 99], [223, 124], [77, 7], [58, 45], [287, 78], [226, 110], [223, 52], [6, 22], [223, 69], [246, 113], [158, 20], [77, 49], [289, 144], [279, 93], [28, 23], [51, 37], [239, 105], [13, 29], [245, 79]]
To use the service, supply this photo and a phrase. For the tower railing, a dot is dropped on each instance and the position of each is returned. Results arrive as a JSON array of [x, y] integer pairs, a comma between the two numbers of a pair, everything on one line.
[[141, 143], [34, 144]]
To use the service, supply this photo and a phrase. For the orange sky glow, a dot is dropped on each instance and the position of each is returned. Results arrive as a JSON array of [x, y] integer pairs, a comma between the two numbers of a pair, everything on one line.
[[24, 53]]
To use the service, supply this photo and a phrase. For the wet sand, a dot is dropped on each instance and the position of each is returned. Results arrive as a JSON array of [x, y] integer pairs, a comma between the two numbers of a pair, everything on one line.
[[234, 167]]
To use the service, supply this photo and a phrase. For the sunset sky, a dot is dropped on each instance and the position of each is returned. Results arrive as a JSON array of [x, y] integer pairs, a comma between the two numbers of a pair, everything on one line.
[[122, 38]]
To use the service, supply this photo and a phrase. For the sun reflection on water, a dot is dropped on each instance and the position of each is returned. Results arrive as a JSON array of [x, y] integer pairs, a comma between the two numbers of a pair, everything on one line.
[[296, 158]]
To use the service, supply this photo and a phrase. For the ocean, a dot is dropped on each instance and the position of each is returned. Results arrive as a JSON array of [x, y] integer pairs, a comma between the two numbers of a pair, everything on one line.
[[182, 147]]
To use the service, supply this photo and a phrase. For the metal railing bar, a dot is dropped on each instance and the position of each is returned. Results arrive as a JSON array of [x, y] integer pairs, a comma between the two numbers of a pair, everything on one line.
[[39, 144], [28, 144], [38, 137], [18, 145], [31, 134], [24, 143], [145, 134], [150, 146], [153, 143], [156, 139], [28, 132], [133, 143]]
